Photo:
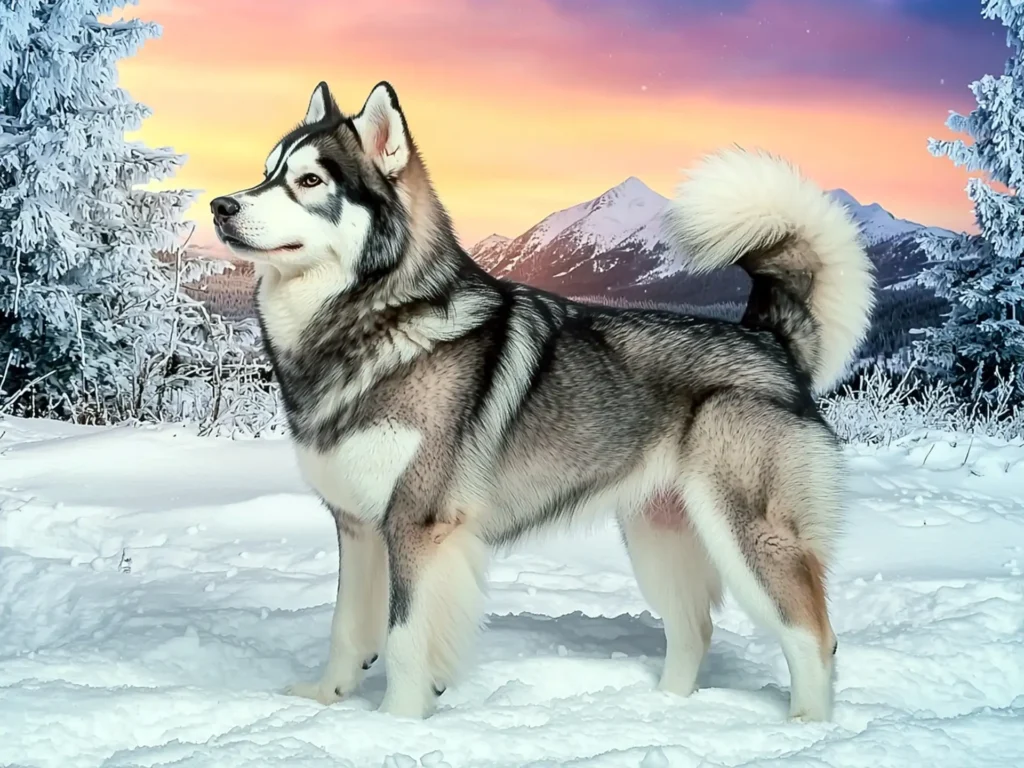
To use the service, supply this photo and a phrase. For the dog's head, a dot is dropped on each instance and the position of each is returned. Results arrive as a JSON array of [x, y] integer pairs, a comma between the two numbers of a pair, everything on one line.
[[334, 190]]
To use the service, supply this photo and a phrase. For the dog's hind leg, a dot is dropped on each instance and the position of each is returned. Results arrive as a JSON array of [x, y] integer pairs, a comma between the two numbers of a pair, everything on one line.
[[780, 582], [360, 612], [768, 513], [678, 580], [437, 600]]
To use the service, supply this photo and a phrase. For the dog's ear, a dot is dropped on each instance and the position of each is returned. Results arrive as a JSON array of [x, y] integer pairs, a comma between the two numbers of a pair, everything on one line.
[[321, 105], [383, 132]]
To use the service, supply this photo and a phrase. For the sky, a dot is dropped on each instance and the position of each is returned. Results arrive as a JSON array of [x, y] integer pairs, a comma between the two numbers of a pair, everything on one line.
[[524, 107]]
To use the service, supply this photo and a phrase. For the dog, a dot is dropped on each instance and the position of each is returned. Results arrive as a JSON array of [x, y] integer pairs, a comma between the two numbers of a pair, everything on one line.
[[441, 413]]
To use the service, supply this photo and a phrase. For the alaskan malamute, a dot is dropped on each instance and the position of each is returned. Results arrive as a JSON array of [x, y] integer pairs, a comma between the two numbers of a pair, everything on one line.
[[440, 412]]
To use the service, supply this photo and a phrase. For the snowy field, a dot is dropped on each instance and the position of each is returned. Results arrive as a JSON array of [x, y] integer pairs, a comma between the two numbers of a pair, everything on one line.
[[178, 657]]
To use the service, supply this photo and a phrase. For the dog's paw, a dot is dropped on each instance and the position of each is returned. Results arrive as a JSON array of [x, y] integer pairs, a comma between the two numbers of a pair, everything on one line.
[[407, 707], [678, 685], [804, 716], [325, 693]]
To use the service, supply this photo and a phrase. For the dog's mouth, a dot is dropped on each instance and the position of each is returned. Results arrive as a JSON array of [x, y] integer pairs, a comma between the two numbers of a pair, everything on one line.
[[237, 244]]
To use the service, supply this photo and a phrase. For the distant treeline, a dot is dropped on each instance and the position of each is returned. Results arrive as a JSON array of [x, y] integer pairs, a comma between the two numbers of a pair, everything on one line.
[[896, 314], [230, 294]]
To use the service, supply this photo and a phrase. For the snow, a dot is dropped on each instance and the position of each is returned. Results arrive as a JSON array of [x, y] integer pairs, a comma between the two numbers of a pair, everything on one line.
[[489, 242], [650, 238], [552, 226], [178, 657], [622, 209], [488, 252]]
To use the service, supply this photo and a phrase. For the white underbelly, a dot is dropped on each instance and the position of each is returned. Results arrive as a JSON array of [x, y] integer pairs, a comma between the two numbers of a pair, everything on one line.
[[359, 475]]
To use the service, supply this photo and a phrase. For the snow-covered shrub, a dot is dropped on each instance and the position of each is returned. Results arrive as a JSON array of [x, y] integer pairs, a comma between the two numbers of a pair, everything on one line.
[[881, 407], [982, 276], [224, 387]]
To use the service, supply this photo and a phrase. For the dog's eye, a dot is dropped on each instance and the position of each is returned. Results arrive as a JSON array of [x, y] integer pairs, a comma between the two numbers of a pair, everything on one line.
[[309, 180]]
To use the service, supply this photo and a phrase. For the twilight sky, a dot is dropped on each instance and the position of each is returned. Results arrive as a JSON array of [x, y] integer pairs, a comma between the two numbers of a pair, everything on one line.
[[523, 107]]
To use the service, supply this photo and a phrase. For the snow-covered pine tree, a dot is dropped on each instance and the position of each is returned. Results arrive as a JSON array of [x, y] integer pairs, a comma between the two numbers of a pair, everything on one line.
[[89, 317], [982, 275]]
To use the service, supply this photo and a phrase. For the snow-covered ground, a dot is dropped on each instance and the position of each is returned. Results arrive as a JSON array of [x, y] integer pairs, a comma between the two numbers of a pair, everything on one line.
[[178, 657]]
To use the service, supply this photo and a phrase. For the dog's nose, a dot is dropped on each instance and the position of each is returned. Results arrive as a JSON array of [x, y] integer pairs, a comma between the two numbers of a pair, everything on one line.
[[224, 207]]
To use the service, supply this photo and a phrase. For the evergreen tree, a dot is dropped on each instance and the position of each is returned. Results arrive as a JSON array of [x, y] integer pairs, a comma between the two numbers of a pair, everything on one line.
[[982, 275], [86, 307]]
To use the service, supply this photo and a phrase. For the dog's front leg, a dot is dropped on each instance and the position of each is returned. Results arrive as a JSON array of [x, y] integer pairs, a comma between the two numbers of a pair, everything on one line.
[[359, 625], [437, 569]]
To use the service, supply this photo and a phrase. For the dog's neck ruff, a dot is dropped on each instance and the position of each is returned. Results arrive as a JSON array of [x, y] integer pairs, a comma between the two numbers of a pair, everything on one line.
[[332, 342]]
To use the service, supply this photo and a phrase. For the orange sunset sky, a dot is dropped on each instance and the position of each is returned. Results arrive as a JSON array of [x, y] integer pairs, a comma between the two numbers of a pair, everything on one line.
[[523, 107]]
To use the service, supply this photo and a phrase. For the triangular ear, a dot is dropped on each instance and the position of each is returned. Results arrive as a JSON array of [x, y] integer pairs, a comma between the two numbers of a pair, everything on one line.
[[321, 104], [382, 130]]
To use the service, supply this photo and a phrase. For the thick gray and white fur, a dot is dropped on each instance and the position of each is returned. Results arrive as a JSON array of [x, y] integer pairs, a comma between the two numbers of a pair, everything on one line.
[[441, 413]]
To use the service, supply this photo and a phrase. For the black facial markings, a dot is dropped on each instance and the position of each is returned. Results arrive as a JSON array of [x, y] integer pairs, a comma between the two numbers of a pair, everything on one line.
[[290, 192], [272, 182], [388, 235], [332, 169], [331, 207], [302, 136], [369, 662]]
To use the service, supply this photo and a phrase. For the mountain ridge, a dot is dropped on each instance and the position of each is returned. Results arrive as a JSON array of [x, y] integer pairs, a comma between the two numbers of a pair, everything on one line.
[[612, 245]]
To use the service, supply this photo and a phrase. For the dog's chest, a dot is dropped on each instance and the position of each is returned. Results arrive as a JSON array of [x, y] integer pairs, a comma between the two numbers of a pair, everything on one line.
[[359, 474]]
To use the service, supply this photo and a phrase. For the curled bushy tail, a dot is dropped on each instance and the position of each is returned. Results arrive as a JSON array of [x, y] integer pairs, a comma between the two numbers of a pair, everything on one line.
[[812, 281]]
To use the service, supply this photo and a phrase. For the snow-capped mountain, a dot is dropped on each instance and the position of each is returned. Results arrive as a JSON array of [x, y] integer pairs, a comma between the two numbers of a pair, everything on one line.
[[483, 251], [613, 245], [614, 239], [877, 224]]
